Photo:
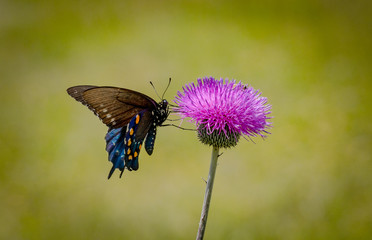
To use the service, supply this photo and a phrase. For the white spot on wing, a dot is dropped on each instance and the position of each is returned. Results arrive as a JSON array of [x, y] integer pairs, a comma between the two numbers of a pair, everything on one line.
[[108, 115]]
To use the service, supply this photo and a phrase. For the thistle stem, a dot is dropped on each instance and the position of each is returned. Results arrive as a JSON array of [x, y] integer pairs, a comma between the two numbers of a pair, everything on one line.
[[208, 194]]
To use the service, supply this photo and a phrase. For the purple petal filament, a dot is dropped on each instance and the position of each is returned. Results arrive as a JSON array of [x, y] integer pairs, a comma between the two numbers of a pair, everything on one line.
[[220, 105]]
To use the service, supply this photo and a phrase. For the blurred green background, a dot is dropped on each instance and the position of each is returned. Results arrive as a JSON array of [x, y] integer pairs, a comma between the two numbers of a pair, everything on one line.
[[310, 179]]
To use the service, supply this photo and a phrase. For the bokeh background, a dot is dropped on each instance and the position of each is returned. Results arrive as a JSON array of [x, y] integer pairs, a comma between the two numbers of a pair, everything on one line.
[[310, 179]]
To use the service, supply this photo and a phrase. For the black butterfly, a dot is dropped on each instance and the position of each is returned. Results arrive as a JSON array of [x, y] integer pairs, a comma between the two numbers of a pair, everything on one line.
[[132, 117]]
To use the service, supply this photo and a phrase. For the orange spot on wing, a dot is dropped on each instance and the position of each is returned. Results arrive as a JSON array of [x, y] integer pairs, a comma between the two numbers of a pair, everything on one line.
[[128, 152], [137, 119], [131, 131], [129, 142], [135, 154], [130, 157], [140, 146]]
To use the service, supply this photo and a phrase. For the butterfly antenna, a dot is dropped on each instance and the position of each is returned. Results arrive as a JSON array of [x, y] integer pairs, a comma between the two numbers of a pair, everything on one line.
[[172, 125], [162, 96], [155, 90]]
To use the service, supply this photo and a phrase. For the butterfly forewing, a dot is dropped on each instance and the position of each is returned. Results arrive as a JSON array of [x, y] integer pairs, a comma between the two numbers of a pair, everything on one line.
[[77, 92], [114, 106]]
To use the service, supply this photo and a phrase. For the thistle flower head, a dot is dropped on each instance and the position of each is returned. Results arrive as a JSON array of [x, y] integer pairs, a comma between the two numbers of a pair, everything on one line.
[[223, 110]]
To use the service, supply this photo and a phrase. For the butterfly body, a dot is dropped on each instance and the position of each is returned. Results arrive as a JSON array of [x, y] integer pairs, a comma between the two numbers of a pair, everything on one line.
[[132, 118]]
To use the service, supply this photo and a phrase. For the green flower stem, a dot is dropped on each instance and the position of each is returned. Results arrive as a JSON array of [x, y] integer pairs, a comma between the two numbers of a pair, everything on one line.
[[208, 194]]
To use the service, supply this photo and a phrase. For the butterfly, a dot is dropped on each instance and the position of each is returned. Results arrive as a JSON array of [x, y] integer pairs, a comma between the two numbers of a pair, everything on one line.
[[132, 118]]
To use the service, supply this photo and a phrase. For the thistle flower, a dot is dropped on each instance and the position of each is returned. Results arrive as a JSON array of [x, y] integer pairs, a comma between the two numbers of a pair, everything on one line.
[[222, 111], [231, 108]]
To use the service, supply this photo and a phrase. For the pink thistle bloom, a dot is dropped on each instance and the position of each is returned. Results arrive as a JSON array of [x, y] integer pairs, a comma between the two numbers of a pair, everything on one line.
[[217, 106]]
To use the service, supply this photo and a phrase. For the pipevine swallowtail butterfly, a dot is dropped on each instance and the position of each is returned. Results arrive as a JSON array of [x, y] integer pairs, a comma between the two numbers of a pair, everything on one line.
[[132, 118]]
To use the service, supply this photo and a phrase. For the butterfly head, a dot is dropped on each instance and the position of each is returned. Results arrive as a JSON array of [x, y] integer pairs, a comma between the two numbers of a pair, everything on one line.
[[161, 112]]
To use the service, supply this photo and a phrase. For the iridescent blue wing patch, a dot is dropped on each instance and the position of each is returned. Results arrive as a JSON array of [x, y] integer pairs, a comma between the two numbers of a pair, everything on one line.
[[115, 148]]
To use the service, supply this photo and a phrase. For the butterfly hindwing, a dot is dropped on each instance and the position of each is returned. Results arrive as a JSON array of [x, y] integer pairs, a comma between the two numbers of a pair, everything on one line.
[[137, 130], [132, 146], [125, 145]]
